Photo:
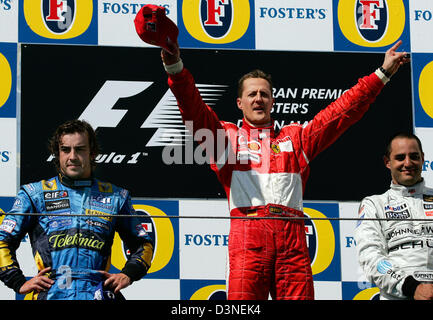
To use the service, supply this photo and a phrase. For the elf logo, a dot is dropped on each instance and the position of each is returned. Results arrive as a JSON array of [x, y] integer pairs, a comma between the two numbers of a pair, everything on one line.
[[58, 19], [216, 21], [371, 23]]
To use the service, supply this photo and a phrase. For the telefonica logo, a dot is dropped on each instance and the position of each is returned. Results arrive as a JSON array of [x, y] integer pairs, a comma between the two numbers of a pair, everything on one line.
[[63, 241]]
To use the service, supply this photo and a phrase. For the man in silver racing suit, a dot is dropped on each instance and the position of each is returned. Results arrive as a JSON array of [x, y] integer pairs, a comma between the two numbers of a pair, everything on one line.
[[394, 235]]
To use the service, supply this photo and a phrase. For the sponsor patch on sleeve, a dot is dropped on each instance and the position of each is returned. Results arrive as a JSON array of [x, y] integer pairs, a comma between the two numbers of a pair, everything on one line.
[[8, 225]]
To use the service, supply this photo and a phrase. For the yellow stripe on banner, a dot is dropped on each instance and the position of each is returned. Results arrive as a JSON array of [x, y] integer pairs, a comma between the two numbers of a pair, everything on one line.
[[6, 82], [424, 88], [206, 292]]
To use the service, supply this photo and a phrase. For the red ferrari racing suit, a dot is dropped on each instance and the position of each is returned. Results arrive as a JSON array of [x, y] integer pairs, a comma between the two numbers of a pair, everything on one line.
[[264, 174]]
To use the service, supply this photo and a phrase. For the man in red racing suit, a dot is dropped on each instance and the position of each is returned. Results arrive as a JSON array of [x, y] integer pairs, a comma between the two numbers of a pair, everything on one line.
[[264, 174]]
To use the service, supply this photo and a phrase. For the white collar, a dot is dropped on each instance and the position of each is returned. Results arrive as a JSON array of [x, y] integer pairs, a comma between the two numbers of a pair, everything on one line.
[[410, 191]]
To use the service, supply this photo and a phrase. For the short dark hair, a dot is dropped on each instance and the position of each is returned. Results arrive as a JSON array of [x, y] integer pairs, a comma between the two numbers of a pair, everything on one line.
[[257, 73], [73, 126], [402, 135]]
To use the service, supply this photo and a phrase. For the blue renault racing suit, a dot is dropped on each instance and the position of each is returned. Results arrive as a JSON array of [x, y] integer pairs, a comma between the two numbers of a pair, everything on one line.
[[76, 239]]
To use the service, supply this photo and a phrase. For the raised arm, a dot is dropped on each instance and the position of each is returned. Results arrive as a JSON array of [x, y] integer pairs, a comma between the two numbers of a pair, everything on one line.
[[394, 60], [335, 119]]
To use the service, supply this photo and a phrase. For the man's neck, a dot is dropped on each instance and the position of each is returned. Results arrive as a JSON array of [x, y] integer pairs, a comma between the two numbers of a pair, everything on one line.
[[268, 124], [75, 183], [408, 185]]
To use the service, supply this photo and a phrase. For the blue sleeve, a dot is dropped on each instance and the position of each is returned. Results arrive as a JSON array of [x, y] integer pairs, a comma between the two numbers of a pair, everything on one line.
[[12, 230], [136, 239]]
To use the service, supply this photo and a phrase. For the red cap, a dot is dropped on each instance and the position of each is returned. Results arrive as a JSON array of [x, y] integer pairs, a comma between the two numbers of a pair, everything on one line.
[[154, 27]]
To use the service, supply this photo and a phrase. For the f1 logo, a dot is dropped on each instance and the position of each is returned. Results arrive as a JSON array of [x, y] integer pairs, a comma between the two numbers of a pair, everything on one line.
[[370, 13], [166, 117], [56, 9], [215, 10], [105, 100]]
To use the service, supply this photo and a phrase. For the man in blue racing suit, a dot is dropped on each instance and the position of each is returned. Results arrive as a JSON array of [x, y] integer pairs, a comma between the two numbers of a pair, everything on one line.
[[71, 220]]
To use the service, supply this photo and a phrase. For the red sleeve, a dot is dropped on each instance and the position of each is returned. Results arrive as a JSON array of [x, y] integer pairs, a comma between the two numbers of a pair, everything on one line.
[[191, 105], [331, 122], [195, 110]]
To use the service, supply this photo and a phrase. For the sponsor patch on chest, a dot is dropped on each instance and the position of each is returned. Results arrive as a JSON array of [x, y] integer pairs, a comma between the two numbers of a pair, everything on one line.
[[428, 204], [101, 201], [53, 195], [57, 205], [400, 211], [99, 214]]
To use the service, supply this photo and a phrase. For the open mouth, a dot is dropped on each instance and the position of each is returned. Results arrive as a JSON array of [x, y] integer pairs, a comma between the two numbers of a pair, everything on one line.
[[259, 109]]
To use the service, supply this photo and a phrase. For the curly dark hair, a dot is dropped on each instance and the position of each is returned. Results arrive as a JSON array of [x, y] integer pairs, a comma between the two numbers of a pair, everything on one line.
[[73, 126]]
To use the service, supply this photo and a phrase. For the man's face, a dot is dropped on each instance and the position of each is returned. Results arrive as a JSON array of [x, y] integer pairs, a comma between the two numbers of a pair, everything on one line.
[[405, 161], [256, 101], [74, 155]]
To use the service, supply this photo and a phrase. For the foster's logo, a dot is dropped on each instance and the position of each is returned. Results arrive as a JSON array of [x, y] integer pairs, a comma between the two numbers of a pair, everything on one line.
[[216, 21], [59, 15], [6, 83], [216, 17], [372, 19], [322, 241], [57, 19], [210, 292], [165, 262], [371, 23]]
